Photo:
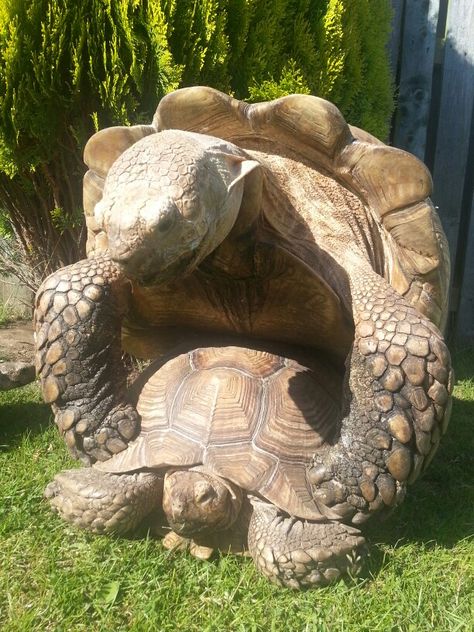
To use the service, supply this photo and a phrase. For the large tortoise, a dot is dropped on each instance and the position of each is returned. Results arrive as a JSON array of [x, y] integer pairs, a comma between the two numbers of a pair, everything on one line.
[[274, 221], [217, 422]]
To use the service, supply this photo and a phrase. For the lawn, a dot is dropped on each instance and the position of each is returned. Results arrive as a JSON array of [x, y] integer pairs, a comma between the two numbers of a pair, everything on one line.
[[420, 575]]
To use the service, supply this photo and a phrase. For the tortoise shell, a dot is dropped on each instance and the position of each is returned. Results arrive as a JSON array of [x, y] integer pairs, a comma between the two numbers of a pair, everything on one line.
[[249, 416], [391, 185]]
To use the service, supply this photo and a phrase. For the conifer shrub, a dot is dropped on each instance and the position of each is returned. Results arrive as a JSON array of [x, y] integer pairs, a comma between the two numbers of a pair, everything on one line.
[[68, 69]]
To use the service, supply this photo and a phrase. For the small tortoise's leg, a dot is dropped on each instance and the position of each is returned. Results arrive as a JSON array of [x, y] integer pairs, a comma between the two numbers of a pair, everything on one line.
[[103, 502], [175, 542], [296, 553], [399, 384], [78, 321]]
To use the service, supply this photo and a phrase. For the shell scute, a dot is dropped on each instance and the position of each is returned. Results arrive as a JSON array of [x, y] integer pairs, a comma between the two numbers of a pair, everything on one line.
[[385, 177], [250, 469], [319, 122], [288, 489], [171, 448], [259, 364], [104, 147], [156, 399], [299, 416], [216, 406]]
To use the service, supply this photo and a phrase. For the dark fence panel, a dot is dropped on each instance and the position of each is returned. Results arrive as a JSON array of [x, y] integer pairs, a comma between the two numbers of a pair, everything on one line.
[[432, 49]]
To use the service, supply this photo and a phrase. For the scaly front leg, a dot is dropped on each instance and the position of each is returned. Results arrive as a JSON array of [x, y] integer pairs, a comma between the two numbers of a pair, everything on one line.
[[78, 322], [103, 502], [399, 386]]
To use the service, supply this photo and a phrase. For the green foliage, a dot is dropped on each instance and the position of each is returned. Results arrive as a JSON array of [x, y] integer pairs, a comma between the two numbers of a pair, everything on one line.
[[62, 63], [5, 226], [335, 48], [291, 82], [198, 41]]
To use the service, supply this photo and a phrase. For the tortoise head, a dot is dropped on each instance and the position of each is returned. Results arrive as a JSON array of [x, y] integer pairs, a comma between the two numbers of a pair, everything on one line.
[[195, 501], [169, 200]]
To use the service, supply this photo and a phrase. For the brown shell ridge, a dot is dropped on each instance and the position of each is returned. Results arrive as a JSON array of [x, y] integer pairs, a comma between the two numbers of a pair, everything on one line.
[[386, 178], [223, 358], [208, 111], [106, 145], [416, 267], [280, 490]]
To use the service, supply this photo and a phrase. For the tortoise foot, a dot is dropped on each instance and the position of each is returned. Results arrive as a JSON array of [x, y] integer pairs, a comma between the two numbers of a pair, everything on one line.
[[398, 397], [300, 554], [175, 542], [120, 426], [104, 503]]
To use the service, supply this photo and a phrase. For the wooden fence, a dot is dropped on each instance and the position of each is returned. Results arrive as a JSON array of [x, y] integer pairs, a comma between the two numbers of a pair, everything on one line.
[[432, 52]]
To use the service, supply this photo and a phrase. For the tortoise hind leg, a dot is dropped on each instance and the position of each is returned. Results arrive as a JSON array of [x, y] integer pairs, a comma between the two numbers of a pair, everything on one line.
[[102, 502], [296, 553]]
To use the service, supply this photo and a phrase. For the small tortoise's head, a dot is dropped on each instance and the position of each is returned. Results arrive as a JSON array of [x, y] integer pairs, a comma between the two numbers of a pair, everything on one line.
[[195, 501], [169, 201]]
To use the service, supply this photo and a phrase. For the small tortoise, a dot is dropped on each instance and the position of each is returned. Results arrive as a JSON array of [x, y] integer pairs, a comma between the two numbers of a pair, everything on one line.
[[274, 221], [251, 421]]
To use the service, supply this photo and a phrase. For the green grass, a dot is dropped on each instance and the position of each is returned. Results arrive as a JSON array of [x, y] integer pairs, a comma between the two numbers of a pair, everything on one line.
[[420, 575]]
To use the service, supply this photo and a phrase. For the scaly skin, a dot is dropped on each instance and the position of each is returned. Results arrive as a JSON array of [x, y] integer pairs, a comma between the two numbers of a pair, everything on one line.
[[296, 553], [400, 379], [78, 319], [104, 503]]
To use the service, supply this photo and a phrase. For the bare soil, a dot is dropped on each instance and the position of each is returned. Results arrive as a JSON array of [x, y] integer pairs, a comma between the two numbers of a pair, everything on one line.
[[16, 341]]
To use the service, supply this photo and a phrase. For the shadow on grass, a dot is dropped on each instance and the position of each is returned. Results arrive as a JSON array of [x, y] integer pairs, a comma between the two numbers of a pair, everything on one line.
[[20, 414], [439, 508], [463, 360]]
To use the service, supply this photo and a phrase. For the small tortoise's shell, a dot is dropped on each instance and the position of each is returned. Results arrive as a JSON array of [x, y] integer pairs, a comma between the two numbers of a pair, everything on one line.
[[249, 416]]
